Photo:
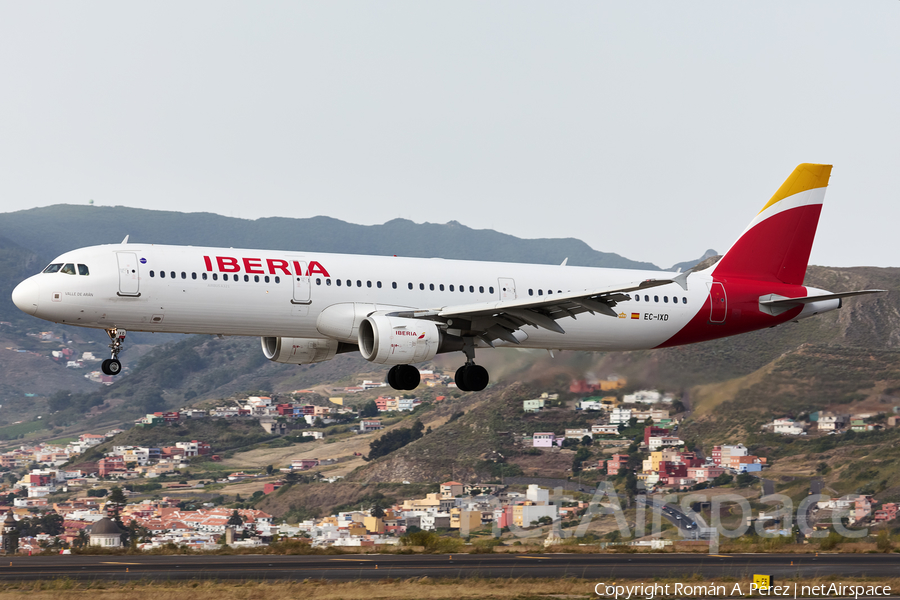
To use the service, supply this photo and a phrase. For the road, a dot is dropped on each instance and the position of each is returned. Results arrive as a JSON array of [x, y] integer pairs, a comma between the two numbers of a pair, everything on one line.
[[599, 567]]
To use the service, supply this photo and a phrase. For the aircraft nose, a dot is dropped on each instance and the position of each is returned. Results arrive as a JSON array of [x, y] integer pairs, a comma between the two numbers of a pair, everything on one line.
[[26, 294]]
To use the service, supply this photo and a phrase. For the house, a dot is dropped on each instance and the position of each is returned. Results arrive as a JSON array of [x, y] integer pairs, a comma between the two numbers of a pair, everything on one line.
[[662, 441], [316, 435], [643, 397], [543, 440], [620, 416], [787, 427], [533, 406], [597, 429], [366, 426], [591, 404], [451, 489], [616, 463], [302, 464], [829, 421], [577, 433]]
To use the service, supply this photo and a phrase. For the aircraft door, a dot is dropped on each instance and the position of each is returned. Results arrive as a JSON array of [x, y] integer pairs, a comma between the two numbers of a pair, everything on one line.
[[507, 288], [718, 303], [129, 277], [301, 283]]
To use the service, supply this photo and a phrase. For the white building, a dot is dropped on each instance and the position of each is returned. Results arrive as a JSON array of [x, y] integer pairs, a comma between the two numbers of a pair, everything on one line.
[[537, 494], [591, 405], [620, 416], [643, 397], [787, 427], [316, 435]]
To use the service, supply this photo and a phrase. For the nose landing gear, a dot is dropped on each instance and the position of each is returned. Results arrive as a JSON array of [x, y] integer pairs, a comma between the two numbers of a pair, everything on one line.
[[112, 366]]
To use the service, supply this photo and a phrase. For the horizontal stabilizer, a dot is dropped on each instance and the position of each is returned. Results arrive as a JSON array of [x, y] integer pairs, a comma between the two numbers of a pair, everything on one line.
[[774, 304], [789, 302]]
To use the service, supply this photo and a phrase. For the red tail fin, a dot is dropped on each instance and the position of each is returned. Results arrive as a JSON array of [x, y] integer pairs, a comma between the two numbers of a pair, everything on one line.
[[776, 245]]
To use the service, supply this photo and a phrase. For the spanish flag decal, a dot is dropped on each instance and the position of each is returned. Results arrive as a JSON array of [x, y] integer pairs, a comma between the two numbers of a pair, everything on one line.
[[635, 315]]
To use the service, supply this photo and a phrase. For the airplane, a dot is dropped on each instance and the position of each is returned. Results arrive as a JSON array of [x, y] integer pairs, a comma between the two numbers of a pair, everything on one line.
[[307, 307]]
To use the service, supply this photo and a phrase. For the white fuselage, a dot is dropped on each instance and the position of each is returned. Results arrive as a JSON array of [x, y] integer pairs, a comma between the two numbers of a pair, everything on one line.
[[230, 291]]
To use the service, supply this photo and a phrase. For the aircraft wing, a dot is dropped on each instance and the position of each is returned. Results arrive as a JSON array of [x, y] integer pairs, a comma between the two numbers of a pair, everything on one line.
[[498, 320]]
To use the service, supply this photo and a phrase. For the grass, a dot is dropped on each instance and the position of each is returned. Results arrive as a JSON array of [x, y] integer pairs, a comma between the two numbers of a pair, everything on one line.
[[12, 431], [399, 589]]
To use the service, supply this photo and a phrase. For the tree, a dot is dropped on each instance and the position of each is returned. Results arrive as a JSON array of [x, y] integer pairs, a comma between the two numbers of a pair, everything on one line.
[[580, 456], [587, 440], [394, 440], [377, 511], [269, 469], [235, 519], [116, 500], [369, 409]]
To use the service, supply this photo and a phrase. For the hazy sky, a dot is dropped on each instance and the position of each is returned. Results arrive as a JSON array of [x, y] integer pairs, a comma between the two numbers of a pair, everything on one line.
[[654, 130]]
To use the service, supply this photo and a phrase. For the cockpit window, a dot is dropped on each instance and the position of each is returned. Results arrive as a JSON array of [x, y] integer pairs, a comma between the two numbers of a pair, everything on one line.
[[55, 267], [69, 269], [83, 270]]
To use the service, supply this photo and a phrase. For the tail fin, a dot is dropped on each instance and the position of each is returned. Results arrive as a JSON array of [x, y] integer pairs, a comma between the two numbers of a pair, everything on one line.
[[776, 244]]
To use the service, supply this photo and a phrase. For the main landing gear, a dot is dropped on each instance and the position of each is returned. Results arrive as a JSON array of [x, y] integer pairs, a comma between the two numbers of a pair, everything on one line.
[[471, 377], [404, 377], [112, 366]]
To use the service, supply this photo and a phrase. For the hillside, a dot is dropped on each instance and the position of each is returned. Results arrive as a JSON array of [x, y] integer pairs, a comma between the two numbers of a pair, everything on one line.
[[65, 227]]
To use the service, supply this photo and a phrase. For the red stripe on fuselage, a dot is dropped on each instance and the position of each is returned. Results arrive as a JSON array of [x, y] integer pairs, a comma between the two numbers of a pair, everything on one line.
[[742, 311]]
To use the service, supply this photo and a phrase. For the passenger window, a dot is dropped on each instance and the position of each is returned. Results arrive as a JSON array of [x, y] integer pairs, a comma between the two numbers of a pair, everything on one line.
[[646, 298], [378, 284], [637, 298], [451, 288], [462, 288], [491, 289], [225, 277], [441, 287], [549, 292], [684, 300], [193, 276], [151, 273], [358, 283], [183, 275], [337, 281], [318, 280], [421, 286], [481, 289], [163, 275], [266, 279], [215, 275], [278, 280], [394, 285], [368, 284], [256, 279], [666, 299], [409, 285], [656, 298], [540, 292], [83, 270], [69, 269], [246, 278], [675, 299], [431, 286], [471, 289], [530, 292], [53, 268], [172, 274], [204, 276], [327, 282]]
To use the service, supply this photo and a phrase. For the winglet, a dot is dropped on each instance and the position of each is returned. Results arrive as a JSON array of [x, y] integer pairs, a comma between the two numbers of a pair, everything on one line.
[[681, 279], [125, 241], [565, 260]]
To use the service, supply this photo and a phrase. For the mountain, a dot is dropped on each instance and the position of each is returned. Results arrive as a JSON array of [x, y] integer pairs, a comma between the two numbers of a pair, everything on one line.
[[52, 230], [689, 264]]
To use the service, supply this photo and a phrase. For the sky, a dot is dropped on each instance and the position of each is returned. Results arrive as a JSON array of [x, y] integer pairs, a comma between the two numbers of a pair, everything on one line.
[[653, 130]]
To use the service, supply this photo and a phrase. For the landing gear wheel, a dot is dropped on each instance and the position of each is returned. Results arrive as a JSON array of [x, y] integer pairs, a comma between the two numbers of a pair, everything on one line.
[[392, 378], [111, 366], [476, 378], [409, 377], [404, 377], [460, 379]]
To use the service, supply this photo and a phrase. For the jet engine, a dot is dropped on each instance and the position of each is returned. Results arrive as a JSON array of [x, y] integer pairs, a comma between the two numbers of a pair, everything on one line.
[[299, 351], [398, 341]]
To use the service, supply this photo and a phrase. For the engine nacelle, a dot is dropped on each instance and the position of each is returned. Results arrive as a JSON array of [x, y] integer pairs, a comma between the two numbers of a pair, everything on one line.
[[397, 341], [299, 351]]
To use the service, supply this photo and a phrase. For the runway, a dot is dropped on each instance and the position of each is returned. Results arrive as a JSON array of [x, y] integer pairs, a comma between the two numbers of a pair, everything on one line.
[[599, 567]]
